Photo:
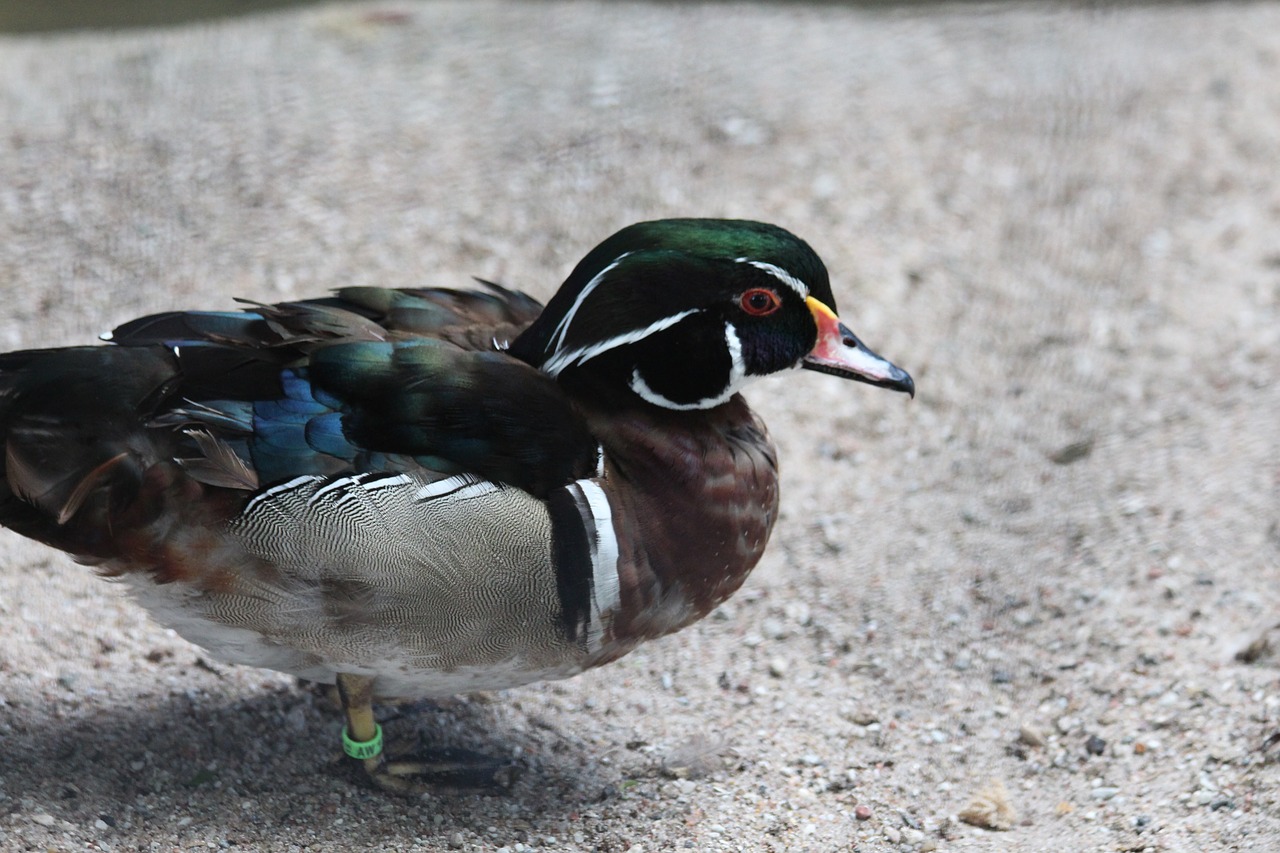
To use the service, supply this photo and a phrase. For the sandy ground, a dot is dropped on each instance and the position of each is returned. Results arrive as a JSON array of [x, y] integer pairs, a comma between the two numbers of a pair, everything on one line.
[[1063, 221]]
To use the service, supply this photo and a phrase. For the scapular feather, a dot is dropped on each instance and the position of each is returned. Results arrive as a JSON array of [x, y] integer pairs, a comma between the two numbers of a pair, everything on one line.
[[218, 465], [211, 371], [325, 434], [298, 321], [486, 413], [178, 327], [233, 417]]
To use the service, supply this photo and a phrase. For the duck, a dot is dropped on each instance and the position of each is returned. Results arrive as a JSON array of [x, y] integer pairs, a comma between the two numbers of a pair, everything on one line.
[[425, 492]]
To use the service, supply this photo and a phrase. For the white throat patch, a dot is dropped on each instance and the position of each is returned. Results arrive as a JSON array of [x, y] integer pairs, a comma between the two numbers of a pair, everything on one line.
[[736, 379]]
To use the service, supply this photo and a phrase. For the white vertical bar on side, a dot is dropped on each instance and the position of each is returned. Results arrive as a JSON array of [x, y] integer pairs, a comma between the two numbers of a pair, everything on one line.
[[605, 588]]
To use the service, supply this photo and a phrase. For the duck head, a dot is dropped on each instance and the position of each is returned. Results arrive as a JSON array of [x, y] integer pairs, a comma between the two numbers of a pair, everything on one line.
[[682, 313]]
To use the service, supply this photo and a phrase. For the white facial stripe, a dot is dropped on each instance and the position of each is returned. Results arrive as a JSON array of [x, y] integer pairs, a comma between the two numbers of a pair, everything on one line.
[[736, 379], [605, 588], [582, 355], [562, 328], [780, 274]]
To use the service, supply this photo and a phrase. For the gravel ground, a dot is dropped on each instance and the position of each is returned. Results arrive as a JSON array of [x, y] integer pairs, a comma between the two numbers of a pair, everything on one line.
[[1009, 615]]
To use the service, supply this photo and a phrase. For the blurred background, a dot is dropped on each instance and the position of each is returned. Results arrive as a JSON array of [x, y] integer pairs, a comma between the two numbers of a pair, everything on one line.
[[55, 15], [1043, 591]]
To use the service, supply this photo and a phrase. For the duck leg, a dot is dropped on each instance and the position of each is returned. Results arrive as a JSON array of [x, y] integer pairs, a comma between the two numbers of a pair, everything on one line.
[[414, 774]]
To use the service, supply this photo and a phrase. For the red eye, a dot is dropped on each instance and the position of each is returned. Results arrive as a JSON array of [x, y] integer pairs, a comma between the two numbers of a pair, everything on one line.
[[760, 301]]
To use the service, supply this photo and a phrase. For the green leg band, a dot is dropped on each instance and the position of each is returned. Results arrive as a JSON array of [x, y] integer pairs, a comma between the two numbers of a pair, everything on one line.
[[363, 749]]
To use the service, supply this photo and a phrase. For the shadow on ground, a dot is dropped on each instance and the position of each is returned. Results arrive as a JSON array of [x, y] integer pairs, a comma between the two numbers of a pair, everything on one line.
[[152, 768]]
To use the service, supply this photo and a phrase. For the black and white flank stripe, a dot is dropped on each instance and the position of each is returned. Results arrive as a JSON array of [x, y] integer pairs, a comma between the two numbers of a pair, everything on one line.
[[502, 577]]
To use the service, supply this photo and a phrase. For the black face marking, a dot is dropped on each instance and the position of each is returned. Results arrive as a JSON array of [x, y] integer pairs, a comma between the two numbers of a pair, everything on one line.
[[684, 365]]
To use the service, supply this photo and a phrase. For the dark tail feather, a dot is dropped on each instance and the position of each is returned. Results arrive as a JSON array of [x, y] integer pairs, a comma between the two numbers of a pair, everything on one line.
[[75, 444]]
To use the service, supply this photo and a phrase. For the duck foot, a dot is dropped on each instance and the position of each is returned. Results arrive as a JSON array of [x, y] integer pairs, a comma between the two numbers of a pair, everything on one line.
[[412, 773], [453, 768]]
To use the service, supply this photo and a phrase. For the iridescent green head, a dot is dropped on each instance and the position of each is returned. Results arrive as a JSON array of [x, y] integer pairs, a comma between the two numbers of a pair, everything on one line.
[[681, 313]]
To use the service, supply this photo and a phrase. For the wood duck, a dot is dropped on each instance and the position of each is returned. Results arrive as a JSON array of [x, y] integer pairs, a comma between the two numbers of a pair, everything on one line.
[[427, 492]]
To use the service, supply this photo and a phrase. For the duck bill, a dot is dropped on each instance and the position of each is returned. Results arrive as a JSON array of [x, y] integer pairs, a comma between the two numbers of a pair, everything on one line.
[[840, 353]]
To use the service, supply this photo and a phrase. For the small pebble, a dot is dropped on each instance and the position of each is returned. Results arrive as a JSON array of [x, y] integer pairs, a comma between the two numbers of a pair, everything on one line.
[[43, 819], [1095, 745], [1104, 792], [773, 629], [798, 612], [296, 719], [990, 808], [862, 813], [777, 667], [455, 841], [1030, 735]]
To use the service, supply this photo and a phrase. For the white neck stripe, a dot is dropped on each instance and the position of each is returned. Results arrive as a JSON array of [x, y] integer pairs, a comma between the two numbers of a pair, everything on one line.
[[582, 355], [780, 274]]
